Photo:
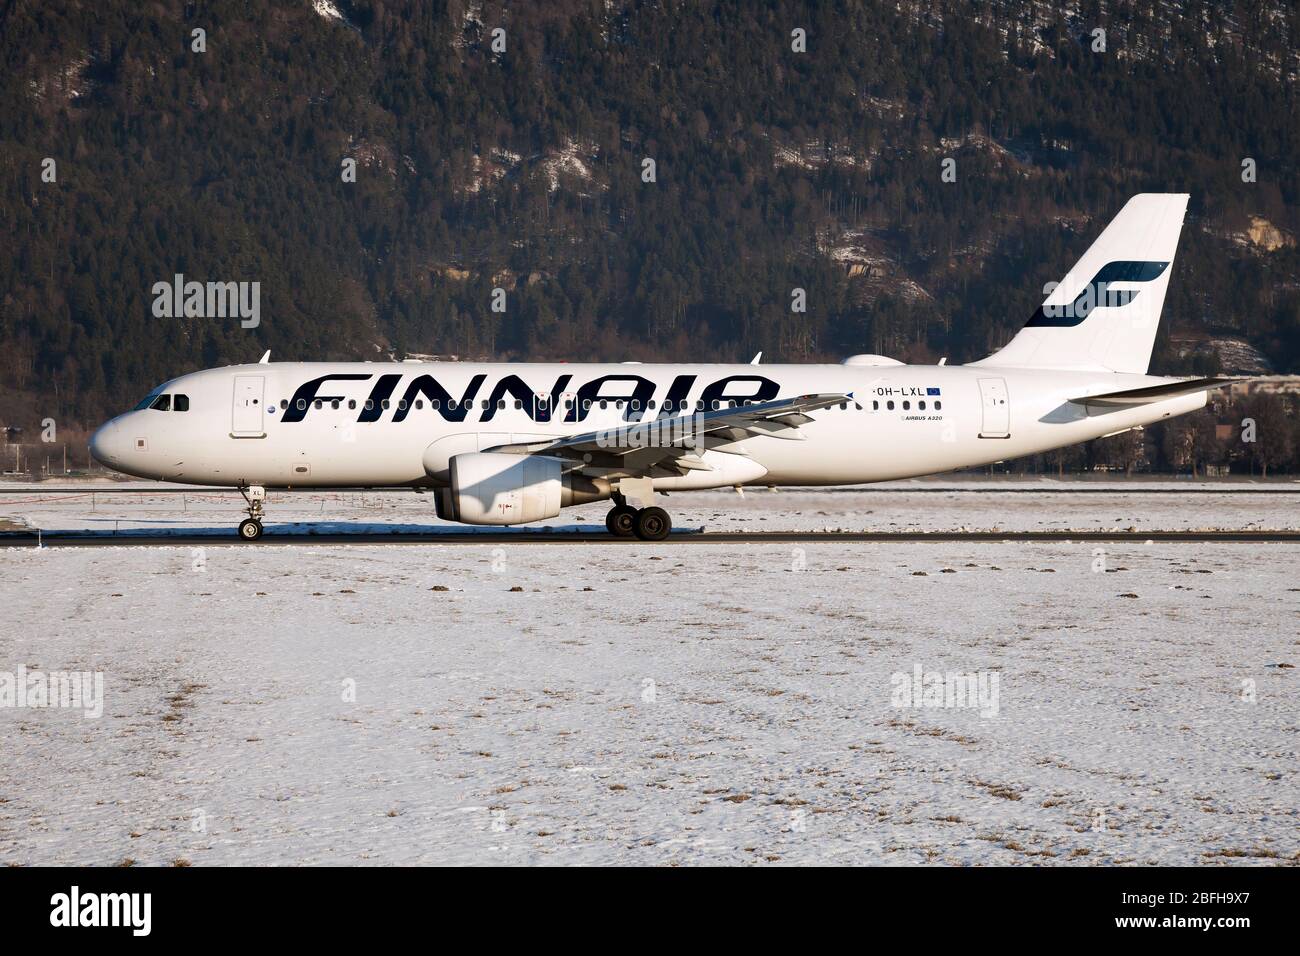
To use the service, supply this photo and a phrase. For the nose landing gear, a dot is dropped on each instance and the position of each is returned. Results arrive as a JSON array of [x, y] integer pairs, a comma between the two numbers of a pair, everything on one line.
[[250, 529]]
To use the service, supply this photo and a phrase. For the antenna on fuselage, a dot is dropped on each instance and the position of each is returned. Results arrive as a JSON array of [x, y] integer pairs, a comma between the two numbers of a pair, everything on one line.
[[265, 359], [756, 359]]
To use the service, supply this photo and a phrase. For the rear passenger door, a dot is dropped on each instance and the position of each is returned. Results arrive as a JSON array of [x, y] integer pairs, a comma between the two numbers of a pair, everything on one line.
[[996, 420]]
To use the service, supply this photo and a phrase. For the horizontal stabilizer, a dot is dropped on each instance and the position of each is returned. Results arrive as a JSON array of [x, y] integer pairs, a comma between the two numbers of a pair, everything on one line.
[[1152, 393]]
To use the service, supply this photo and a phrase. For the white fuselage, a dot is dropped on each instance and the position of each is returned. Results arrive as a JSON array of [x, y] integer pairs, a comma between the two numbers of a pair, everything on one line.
[[381, 424]]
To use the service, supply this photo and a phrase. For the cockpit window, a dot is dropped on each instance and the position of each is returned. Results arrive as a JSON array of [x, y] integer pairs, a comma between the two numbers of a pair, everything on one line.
[[146, 401], [182, 403], [162, 403]]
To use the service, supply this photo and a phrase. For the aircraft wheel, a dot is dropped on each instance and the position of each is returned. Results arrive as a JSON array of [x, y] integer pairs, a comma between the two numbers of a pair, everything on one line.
[[621, 521], [653, 524], [250, 529]]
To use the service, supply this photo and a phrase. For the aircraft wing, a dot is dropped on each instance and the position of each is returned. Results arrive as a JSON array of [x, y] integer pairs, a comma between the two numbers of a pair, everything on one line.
[[1152, 393], [673, 444]]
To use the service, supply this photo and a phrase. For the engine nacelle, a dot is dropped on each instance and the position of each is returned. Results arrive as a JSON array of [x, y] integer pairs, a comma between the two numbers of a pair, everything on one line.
[[497, 488]]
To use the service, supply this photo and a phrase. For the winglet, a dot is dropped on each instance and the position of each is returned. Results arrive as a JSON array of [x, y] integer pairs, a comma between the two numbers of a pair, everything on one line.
[[265, 359]]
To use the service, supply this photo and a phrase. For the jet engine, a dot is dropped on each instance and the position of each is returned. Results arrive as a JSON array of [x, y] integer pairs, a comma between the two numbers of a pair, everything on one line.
[[499, 488]]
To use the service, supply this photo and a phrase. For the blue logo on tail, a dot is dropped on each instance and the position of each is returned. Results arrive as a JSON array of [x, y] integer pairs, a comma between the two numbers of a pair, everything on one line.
[[1097, 294]]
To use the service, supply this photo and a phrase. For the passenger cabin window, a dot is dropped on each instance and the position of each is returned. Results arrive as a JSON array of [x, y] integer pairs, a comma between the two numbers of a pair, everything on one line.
[[182, 403], [875, 406], [889, 405], [938, 406], [163, 403], [284, 403]]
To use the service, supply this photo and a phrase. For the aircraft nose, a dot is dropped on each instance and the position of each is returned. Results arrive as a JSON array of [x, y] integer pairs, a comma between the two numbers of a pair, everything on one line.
[[106, 445]]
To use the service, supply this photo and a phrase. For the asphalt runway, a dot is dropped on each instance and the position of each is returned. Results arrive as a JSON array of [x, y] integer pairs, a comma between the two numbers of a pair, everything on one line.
[[75, 539]]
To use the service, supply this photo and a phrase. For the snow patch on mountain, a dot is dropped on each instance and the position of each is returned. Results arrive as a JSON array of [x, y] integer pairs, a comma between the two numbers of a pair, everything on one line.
[[816, 154], [327, 10], [573, 159]]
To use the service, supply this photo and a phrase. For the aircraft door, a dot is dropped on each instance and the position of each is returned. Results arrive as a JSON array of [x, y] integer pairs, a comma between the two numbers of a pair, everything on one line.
[[246, 421], [996, 420]]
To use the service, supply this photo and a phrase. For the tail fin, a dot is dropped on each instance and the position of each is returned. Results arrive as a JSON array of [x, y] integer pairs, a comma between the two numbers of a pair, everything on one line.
[[1103, 315]]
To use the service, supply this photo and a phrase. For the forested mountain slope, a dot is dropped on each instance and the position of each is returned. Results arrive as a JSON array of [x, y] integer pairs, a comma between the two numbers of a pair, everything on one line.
[[523, 170]]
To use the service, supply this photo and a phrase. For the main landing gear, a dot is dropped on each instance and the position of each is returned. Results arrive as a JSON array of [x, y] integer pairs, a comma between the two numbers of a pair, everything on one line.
[[648, 524], [250, 529]]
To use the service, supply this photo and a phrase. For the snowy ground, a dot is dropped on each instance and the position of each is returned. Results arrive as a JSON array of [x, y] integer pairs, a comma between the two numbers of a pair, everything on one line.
[[897, 506], [657, 704]]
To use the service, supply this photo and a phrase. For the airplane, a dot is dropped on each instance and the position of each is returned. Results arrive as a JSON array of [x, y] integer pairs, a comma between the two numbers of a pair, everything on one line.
[[514, 443]]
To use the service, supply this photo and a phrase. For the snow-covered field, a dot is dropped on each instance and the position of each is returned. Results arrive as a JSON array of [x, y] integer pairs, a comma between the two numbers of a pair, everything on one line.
[[654, 704]]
